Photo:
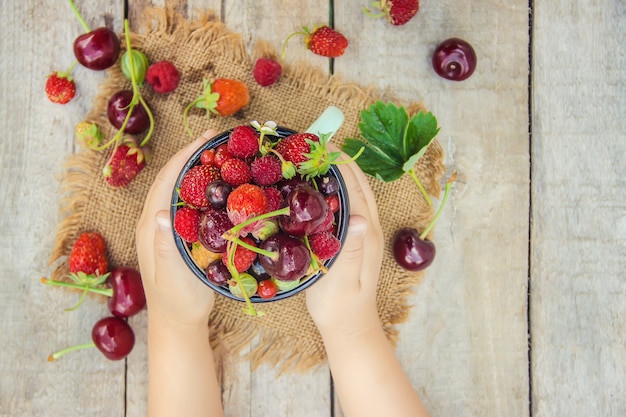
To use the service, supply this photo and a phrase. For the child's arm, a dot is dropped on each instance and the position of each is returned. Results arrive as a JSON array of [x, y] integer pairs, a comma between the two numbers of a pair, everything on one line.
[[368, 377], [181, 373]]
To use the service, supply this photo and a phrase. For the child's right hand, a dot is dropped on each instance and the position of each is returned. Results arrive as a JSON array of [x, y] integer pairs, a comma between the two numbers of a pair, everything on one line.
[[343, 302]]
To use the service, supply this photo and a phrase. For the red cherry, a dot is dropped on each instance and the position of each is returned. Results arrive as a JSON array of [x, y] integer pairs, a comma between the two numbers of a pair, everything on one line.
[[454, 59], [98, 49]]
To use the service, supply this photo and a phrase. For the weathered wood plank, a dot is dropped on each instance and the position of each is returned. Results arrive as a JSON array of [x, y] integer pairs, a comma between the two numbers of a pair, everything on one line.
[[36, 136], [465, 343], [291, 394], [579, 209]]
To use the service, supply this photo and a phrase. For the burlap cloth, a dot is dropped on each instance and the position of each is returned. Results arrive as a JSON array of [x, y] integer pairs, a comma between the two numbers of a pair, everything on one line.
[[205, 48]]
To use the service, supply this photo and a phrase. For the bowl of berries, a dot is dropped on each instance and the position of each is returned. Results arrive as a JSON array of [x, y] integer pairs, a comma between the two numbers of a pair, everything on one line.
[[260, 212]]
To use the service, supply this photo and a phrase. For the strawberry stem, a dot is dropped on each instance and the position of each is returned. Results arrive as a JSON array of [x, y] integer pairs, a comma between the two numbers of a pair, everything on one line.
[[186, 112], [443, 203], [80, 18], [80, 301], [420, 186], [57, 355], [284, 48], [102, 291]]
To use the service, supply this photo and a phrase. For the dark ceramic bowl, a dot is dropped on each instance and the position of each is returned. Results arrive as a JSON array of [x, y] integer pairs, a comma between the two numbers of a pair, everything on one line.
[[341, 219]]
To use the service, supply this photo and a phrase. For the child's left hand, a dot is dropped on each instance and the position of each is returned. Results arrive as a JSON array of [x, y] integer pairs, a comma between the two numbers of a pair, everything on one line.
[[174, 294]]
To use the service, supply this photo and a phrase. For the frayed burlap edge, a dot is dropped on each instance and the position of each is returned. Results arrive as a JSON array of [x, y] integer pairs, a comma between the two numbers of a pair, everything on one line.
[[227, 335]]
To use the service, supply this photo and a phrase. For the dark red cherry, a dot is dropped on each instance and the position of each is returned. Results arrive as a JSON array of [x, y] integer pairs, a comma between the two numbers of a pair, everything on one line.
[[117, 109], [293, 258], [218, 273], [98, 49], [454, 59], [307, 209], [212, 225], [128, 296], [113, 337], [410, 251]]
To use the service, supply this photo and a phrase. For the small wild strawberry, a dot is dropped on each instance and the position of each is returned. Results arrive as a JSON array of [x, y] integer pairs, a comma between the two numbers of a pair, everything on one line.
[[88, 258], [88, 135], [60, 87], [236, 171], [223, 97], [186, 223], [323, 41], [125, 162], [195, 182], [397, 12]]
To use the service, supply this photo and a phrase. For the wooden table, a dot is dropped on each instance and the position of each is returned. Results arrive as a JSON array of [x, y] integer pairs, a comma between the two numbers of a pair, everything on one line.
[[523, 311]]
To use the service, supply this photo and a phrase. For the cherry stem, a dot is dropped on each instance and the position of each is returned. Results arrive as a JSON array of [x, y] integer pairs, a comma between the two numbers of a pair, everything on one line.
[[102, 291], [314, 263], [420, 186], [443, 203], [232, 247], [80, 18], [57, 355], [234, 232], [136, 93]]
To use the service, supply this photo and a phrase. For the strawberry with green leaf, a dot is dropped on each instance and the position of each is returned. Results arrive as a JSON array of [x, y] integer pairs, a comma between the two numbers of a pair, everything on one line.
[[393, 142]]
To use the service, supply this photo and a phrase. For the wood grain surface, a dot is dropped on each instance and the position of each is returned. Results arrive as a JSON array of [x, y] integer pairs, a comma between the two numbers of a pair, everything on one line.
[[533, 233]]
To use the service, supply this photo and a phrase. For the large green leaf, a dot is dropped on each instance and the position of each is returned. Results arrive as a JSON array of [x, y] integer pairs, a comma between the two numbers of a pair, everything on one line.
[[392, 142]]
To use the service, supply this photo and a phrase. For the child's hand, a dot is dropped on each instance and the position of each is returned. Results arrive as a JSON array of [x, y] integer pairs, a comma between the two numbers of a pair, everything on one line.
[[173, 292], [343, 302]]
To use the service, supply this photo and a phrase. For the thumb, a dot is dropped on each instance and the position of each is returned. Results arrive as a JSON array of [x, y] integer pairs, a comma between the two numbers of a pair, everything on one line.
[[165, 250], [352, 251]]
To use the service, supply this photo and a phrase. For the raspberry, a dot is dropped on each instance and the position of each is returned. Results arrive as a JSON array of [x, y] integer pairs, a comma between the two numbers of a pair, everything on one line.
[[186, 223], [266, 71], [274, 198], [324, 245], [236, 172], [243, 142], [244, 257], [194, 183], [266, 170], [163, 77]]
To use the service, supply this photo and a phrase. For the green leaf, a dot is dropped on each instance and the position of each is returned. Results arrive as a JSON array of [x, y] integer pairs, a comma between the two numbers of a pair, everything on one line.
[[392, 142]]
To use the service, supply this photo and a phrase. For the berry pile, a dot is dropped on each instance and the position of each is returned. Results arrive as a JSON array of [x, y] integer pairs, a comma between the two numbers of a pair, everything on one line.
[[261, 211]]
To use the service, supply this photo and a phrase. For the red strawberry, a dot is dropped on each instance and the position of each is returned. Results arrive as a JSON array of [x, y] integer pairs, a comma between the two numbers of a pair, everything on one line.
[[236, 171], [125, 162], [243, 142], [324, 245], [186, 223], [266, 71], [163, 77], [397, 12], [323, 41], [266, 170], [60, 87], [244, 257], [221, 155], [88, 256], [293, 147], [326, 42], [245, 202], [194, 183]]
